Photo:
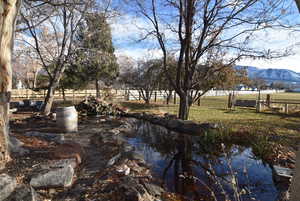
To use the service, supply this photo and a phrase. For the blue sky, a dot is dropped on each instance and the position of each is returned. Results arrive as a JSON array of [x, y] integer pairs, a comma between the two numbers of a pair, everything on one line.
[[126, 30]]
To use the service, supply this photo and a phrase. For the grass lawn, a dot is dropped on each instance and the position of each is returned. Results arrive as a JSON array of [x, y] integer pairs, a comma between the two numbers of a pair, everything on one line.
[[214, 109]]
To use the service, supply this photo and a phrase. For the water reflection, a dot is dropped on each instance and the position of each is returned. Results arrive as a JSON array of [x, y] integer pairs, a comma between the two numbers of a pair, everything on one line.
[[202, 171]]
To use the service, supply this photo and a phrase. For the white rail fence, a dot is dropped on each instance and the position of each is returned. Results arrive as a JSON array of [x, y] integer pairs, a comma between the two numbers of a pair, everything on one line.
[[119, 94]]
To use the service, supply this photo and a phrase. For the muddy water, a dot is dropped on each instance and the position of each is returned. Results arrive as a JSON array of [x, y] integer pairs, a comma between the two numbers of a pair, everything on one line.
[[199, 171]]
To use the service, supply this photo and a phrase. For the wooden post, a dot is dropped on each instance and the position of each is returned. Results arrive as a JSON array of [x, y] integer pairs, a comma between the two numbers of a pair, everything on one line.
[[167, 101], [229, 105], [259, 106], [286, 108], [174, 97], [199, 101], [128, 95], [73, 96], [27, 94], [155, 96], [268, 100], [140, 96]]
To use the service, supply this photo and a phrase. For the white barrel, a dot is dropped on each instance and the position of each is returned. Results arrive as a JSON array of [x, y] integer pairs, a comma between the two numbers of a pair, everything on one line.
[[67, 119]]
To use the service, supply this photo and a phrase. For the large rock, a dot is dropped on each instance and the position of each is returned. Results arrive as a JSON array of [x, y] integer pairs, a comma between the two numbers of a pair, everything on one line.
[[175, 124], [134, 191], [23, 193], [7, 186], [61, 177], [190, 127]]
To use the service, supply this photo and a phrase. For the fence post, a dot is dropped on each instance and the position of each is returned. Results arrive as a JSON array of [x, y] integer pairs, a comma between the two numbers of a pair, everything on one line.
[[174, 97], [229, 101], [139, 95], [27, 94], [73, 96], [268, 100], [286, 108], [167, 97], [155, 96]]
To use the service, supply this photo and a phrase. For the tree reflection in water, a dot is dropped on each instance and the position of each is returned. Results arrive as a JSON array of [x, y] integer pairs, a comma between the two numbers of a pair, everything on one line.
[[200, 170]]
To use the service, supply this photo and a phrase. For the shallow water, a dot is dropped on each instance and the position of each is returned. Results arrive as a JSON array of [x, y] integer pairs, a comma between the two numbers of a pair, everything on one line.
[[187, 166]]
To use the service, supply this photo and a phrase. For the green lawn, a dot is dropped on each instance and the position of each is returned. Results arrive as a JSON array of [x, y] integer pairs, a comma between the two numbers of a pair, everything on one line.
[[214, 109]]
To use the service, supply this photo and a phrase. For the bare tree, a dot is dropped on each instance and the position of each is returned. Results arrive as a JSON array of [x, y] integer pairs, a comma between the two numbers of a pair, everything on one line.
[[196, 29], [143, 78], [53, 40]]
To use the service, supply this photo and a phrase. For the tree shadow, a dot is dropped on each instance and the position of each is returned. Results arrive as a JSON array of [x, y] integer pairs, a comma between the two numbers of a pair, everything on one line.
[[140, 105]]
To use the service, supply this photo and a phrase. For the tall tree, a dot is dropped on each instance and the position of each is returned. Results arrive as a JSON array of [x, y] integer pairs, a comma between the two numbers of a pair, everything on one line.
[[96, 50], [8, 15], [194, 29]]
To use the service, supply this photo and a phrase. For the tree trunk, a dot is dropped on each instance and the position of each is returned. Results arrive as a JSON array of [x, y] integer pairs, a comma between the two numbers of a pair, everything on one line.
[[8, 14], [184, 106], [97, 88], [49, 100], [169, 96], [63, 93], [53, 84]]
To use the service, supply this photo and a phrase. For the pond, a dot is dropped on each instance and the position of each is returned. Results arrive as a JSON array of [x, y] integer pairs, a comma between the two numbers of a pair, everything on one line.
[[199, 170]]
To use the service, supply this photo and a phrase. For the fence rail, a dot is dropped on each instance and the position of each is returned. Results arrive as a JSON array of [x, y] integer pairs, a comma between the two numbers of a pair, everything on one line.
[[120, 94]]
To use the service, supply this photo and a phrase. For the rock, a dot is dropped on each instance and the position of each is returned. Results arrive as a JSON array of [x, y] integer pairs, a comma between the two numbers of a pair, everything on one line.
[[282, 174], [15, 146], [154, 190], [131, 155], [134, 191], [60, 164], [175, 124], [113, 160], [127, 147], [123, 170], [23, 193], [7, 186], [209, 125], [61, 177], [190, 127]]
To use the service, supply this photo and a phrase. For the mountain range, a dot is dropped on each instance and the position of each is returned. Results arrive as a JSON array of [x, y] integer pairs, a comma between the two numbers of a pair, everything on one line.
[[272, 75]]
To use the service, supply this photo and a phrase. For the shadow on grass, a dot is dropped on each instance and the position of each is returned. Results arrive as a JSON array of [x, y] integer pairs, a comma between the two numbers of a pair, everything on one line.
[[139, 105]]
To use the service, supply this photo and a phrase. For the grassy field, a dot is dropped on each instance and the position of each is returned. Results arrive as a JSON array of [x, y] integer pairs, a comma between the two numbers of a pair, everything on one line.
[[214, 109]]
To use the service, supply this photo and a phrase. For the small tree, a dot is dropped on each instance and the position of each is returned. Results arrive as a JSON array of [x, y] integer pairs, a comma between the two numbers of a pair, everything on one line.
[[144, 78]]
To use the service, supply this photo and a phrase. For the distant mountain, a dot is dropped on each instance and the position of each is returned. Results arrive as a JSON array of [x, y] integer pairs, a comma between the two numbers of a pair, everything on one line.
[[272, 75]]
